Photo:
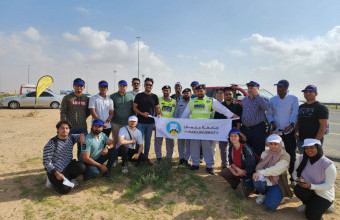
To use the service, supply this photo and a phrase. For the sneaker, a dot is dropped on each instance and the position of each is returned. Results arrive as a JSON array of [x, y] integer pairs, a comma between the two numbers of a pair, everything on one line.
[[75, 182], [201, 160], [125, 170], [182, 162], [331, 208], [108, 175], [301, 208], [260, 199], [115, 163], [210, 171], [159, 160], [224, 166], [193, 167], [48, 183]]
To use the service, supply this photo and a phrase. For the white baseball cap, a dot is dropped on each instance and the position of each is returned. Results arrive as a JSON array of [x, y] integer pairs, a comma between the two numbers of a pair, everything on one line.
[[133, 118], [310, 142], [274, 138]]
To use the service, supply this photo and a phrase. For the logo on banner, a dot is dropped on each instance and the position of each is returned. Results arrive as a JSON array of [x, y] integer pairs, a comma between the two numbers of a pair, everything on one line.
[[173, 128]]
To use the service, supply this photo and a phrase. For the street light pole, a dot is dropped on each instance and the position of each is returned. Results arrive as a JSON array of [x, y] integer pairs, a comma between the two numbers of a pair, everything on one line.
[[114, 80], [138, 38]]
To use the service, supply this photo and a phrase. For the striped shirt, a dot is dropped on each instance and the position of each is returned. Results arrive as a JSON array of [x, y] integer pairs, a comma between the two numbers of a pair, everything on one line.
[[56, 158], [254, 110]]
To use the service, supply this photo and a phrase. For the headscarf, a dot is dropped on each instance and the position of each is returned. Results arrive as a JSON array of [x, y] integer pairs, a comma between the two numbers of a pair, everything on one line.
[[312, 160], [271, 159]]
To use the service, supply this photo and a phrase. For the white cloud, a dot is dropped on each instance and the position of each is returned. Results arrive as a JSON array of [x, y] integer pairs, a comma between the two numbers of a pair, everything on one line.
[[83, 10], [301, 61], [89, 48], [237, 53], [213, 66], [32, 34]]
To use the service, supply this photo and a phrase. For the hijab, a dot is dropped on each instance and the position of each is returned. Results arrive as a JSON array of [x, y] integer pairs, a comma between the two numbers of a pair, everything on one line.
[[312, 160]]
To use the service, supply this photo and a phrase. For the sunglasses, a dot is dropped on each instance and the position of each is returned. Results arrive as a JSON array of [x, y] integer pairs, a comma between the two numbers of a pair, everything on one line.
[[148, 84], [78, 85], [135, 83]]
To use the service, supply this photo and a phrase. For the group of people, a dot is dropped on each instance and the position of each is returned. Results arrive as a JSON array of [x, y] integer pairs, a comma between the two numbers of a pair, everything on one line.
[[251, 168]]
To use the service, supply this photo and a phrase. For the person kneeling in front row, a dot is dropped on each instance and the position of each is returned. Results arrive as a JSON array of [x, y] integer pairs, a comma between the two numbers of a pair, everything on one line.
[[96, 150], [270, 179], [242, 164], [57, 158], [315, 176], [127, 138]]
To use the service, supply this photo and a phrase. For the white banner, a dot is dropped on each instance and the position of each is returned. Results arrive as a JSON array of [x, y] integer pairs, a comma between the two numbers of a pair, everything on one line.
[[199, 129]]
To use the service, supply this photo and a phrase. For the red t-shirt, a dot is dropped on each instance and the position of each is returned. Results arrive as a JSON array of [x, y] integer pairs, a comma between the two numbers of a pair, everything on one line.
[[237, 156]]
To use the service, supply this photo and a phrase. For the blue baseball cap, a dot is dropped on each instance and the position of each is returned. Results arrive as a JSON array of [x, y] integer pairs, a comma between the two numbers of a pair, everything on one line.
[[79, 82], [253, 83], [282, 83], [234, 131], [194, 83], [103, 83], [122, 82], [310, 87], [98, 122]]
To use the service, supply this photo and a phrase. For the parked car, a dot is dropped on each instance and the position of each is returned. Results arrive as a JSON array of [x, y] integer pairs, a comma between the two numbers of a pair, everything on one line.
[[240, 92], [47, 99]]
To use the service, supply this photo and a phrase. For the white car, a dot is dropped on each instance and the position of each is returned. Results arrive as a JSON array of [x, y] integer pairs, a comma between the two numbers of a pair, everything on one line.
[[47, 99]]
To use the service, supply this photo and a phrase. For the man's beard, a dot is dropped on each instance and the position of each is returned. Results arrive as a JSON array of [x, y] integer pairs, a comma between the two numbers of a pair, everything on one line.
[[96, 132], [186, 98]]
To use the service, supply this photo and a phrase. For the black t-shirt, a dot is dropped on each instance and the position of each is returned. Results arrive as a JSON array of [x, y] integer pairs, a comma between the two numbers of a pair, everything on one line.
[[146, 103], [234, 107], [309, 115]]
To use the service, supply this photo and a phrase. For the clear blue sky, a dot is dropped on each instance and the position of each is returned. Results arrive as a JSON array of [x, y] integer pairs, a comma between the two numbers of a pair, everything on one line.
[[211, 41]]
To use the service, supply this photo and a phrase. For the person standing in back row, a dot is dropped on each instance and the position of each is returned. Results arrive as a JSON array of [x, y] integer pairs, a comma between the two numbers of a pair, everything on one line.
[[146, 104], [74, 109], [167, 106], [237, 109], [202, 107], [253, 117], [312, 118], [282, 116], [101, 107]]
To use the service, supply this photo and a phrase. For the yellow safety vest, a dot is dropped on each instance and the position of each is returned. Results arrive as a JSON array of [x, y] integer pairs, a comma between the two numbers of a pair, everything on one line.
[[201, 108], [167, 108]]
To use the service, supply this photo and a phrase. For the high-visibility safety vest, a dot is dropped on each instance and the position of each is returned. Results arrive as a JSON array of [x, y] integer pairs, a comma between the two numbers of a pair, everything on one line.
[[167, 108], [201, 108]]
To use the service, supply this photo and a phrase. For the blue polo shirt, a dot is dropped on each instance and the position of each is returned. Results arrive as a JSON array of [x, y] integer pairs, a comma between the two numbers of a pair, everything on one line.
[[94, 145]]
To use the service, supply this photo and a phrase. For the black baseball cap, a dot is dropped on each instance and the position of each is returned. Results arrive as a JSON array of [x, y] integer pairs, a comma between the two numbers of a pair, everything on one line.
[[186, 90], [166, 87]]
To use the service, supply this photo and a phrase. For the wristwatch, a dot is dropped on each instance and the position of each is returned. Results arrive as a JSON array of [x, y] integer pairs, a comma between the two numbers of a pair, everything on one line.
[[108, 147], [292, 124]]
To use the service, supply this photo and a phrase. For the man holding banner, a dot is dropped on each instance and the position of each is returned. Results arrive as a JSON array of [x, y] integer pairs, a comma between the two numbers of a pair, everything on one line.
[[202, 108]]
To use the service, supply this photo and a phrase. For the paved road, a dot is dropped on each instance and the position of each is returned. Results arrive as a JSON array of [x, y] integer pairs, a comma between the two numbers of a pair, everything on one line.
[[332, 140]]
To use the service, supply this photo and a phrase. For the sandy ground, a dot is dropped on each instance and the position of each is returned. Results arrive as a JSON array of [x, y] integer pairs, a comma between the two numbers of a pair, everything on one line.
[[23, 194]]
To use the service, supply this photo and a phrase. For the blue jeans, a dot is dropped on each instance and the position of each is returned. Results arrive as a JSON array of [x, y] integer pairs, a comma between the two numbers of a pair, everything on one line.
[[146, 130], [93, 171], [79, 131], [273, 194]]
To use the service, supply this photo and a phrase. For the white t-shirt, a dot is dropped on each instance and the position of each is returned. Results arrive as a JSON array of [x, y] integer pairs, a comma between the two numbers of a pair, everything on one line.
[[137, 134], [102, 107]]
